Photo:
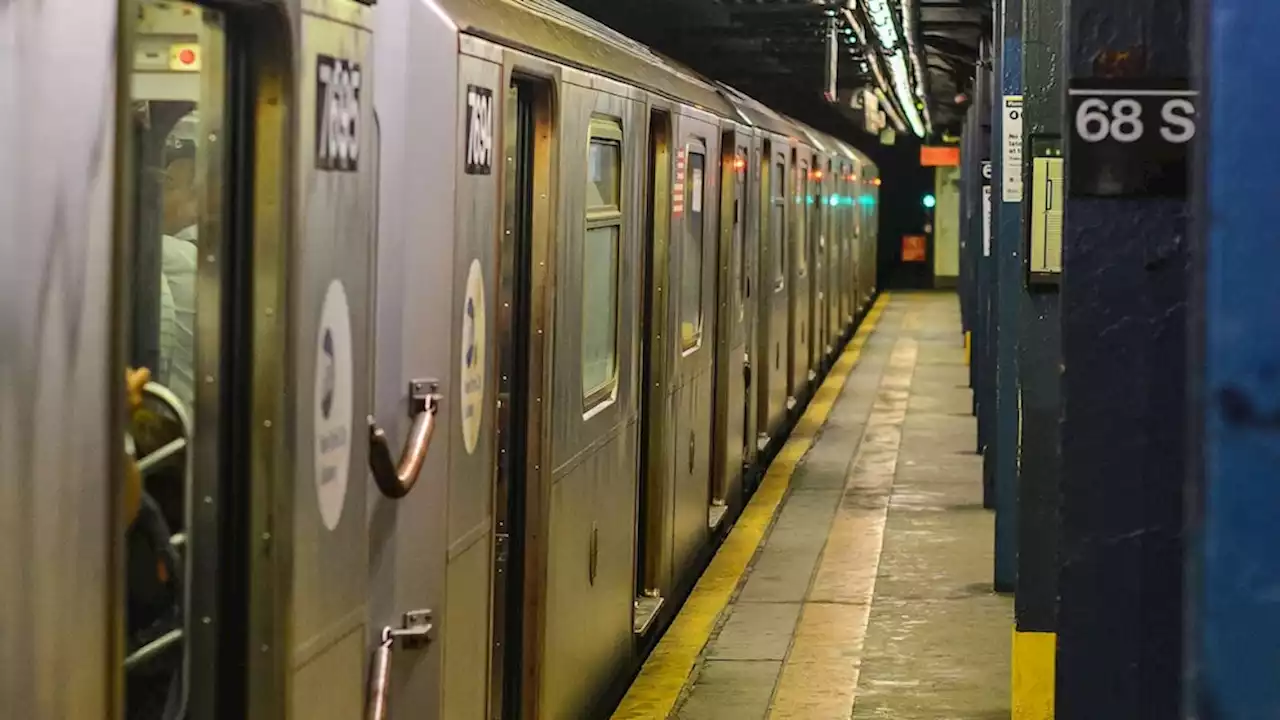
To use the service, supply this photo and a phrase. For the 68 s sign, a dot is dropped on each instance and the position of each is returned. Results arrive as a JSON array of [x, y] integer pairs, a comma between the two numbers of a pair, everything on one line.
[[1130, 138]]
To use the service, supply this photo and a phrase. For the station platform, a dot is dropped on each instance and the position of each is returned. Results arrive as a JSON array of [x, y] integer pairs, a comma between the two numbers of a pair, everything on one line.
[[857, 582]]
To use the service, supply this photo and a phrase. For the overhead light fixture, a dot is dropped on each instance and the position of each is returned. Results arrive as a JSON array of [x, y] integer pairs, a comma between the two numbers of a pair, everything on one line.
[[906, 80]]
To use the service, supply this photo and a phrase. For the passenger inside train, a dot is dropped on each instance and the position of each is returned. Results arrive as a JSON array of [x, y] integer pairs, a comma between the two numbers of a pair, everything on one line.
[[178, 263], [161, 393]]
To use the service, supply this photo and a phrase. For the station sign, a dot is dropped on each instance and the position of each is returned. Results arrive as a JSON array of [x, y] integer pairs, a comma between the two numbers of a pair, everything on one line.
[[1130, 137], [1011, 169]]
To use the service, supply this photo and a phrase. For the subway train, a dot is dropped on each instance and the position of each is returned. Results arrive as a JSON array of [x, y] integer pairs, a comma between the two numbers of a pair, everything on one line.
[[404, 359]]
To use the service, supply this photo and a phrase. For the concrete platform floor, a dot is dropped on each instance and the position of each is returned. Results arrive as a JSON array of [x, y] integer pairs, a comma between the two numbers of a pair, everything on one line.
[[870, 596]]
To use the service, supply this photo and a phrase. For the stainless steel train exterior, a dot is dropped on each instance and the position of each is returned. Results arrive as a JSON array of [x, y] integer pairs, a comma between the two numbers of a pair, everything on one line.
[[444, 339]]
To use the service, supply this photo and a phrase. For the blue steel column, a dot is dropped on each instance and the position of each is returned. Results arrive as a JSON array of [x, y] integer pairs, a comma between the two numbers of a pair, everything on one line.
[[1235, 620], [1002, 453], [983, 342], [1039, 376], [1124, 293], [967, 170], [965, 191]]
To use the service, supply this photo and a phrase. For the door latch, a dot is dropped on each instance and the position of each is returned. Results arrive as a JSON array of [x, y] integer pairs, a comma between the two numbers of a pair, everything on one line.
[[414, 632]]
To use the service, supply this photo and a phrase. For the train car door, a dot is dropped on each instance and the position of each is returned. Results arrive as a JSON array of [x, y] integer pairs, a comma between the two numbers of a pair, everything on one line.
[[752, 242], [521, 315], [240, 382], [834, 210], [773, 301], [846, 268], [731, 314], [323, 633], [656, 471], [694, 229], [801, 301], [818, 229]]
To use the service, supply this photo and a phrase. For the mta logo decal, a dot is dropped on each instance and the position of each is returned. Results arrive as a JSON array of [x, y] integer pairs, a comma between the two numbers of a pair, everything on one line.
[[326, 401], [471, 332]]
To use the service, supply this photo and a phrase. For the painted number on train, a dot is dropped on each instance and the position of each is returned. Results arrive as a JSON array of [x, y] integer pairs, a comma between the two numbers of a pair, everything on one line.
[[337, 114], [1130, 138], [479, 148]]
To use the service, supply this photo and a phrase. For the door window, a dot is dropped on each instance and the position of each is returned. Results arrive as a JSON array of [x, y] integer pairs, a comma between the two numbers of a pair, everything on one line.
[[600, 262], [175, 93], [691, 260]]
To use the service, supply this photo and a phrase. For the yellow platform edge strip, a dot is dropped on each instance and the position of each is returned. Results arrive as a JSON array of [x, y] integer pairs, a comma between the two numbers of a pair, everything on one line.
[[968, 347], [1033, 675], [656, 689]]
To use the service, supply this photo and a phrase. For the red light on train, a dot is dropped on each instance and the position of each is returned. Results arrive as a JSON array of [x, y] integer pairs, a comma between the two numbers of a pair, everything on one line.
[[187, 56]]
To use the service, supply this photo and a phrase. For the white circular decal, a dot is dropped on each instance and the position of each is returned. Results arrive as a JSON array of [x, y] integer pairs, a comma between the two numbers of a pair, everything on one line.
[[333, 404], [473, 334]]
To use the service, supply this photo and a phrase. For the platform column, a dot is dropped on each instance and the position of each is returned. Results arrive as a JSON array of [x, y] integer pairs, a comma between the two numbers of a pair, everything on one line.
[[1001, 457], [1039, 364], [1124, 293], [1235, 613], [982, 373], [968, 173]]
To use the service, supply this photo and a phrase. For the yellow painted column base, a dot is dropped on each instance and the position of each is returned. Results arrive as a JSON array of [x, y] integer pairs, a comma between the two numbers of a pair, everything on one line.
[[1033, 675]]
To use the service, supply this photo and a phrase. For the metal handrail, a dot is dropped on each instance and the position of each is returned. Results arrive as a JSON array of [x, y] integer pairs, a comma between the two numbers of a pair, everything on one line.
[[153, 649], [379, 679], [166, 451], [396, 479], [414, 633]]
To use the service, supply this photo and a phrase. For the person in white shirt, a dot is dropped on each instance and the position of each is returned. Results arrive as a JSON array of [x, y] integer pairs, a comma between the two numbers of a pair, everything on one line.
[[179, 260]]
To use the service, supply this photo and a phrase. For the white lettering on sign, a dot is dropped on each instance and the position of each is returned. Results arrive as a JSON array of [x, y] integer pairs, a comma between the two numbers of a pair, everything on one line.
[[1098, 119], [1130, 137], [1011, 167], [337, 114], [479, 140], [1179, 127]]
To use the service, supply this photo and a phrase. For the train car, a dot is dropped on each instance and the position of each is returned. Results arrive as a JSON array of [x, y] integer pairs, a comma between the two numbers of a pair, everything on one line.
[[409, 357]]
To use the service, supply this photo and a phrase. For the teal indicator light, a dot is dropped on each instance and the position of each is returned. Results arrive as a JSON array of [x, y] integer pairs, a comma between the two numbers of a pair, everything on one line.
[[930, 201]]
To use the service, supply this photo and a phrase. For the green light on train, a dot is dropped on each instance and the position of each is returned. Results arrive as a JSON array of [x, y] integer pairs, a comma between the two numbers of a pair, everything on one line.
[[930, 201]]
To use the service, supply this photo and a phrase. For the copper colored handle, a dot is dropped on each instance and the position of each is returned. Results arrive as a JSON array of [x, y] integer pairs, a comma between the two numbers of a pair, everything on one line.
[[395, 480]]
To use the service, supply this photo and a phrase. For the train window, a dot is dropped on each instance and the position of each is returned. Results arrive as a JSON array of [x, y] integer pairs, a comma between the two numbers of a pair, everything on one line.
[[776, 219], [600, 250], [175, 92], [691, 260]]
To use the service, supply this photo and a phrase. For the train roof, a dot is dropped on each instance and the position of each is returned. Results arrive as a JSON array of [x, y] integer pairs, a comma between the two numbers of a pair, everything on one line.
[[758, 114], [549, 29]]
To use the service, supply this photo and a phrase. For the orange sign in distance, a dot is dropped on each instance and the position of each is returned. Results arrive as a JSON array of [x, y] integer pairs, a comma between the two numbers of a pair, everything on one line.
[[939, 156], [913, 248]]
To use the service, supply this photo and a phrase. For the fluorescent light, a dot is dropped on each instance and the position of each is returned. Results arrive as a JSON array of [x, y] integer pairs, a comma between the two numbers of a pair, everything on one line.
[[896, 51]]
